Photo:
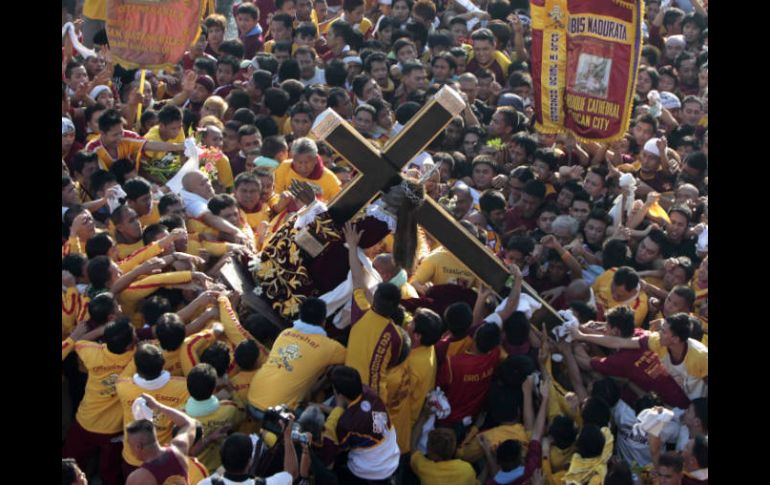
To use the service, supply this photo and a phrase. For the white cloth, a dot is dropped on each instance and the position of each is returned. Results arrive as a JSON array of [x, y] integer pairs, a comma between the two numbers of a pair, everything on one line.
[[194, 204], [628, 185], [140, 410], [651, 421], [192, 151], [153, 384], [280, 478], [99, 90], [377, 462], [308, 213], [562, 331], [527, 304], [377, 210], [341, 296], [419, 160], [318, 78], [69, 29], [652, 146]]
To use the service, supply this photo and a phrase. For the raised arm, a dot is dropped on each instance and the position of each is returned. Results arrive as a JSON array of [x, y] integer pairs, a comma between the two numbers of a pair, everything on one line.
[[352, 238], [576, 271], [186, 425]]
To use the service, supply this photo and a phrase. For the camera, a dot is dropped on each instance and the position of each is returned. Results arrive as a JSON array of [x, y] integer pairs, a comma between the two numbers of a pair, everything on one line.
[[274, 416], [298, 436]]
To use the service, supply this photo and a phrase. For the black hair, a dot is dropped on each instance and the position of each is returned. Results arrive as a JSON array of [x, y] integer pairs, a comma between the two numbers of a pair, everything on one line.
[[590, 442], [346, 381], [153, 307], [516, 328], [166, 201], [491, 200], [119, 335], [69, 471], [405, 112], [509, 455], [524, 244], [622, 318], [220, 202], [387, 296], [108, 119], [266, 126], [277, 101], [201, 382], [261, 328], [680, 325], [120, 168], [237, 448], [614, 253], [428, 324], [607, 390], [100, 178], [626, 277], [169, 329], [218, 355], [535, 188], [289, 69], [458, 317], [487, 337], [98, 245], [73, 263], [700, 450], [98, 270], [563, 431], [149, 361], [313, 311], [247, 354], [596, 411]]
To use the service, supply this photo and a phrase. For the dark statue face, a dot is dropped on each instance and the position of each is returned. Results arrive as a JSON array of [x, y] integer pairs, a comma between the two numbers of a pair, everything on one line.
[[395, 196]]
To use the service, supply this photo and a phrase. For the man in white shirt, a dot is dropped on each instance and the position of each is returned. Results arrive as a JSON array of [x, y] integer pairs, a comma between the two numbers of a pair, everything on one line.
[[237, 458], [310, 73], [196, 193]]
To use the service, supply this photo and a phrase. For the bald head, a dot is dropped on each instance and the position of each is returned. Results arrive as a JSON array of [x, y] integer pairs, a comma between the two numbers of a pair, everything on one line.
[[578, 290], [197, 183], [386, 266]]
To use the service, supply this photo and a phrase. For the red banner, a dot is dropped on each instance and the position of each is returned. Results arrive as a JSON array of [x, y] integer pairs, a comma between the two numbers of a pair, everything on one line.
[[152, 34], [585, 54]]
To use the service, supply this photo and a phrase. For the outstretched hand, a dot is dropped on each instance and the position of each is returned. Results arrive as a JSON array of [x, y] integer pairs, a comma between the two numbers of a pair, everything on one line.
[[352, 237]]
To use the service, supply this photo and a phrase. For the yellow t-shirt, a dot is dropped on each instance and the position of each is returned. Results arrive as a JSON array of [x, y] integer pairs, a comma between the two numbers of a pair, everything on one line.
[[171, 362], [603, 291], [126, 250], [373, 343], [442, 267], [130, 297], [173, 393], [456, 472], [471, 450], [95, 9], [423, 366], [690, 373], [99, 411], [153, 217], [154, 135], [398, 383], [130, 148], [72, 304], [195, 470], [296, 361], [329, 183], [364, 26], [228, 412], [253, 219]]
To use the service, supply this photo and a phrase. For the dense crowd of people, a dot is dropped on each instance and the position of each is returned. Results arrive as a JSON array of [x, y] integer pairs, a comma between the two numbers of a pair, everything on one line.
[[373, 354]]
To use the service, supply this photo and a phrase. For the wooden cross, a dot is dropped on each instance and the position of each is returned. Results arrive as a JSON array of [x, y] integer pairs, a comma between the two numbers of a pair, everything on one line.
[[381, 169]]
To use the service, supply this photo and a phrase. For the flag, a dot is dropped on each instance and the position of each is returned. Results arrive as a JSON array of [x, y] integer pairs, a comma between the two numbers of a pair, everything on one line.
[[585, 54]]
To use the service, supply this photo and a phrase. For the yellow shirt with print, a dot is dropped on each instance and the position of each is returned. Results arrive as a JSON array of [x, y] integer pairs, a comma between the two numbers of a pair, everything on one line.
[[228, 413], [296, 361], [173, 394], [442, 267], [602, 287], [99, 411], [329, 183]]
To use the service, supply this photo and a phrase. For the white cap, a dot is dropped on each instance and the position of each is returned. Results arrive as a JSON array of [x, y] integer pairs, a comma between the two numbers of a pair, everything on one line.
[[675, 41], [98, 90], [652, 147], [670, 100]]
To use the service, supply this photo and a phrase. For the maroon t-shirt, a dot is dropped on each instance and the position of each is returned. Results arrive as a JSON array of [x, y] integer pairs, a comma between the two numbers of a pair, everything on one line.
[[515, 219], [465, 379], [643, 368]]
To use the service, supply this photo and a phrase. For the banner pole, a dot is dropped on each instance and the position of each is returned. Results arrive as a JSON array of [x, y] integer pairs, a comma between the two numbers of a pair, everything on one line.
[[141, 92]]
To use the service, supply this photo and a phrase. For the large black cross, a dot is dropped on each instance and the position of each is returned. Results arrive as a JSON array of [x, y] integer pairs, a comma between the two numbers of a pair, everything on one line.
[[381, 169]]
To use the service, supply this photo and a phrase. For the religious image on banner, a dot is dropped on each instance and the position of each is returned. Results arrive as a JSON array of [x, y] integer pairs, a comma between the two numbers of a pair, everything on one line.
[[592, 76]]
